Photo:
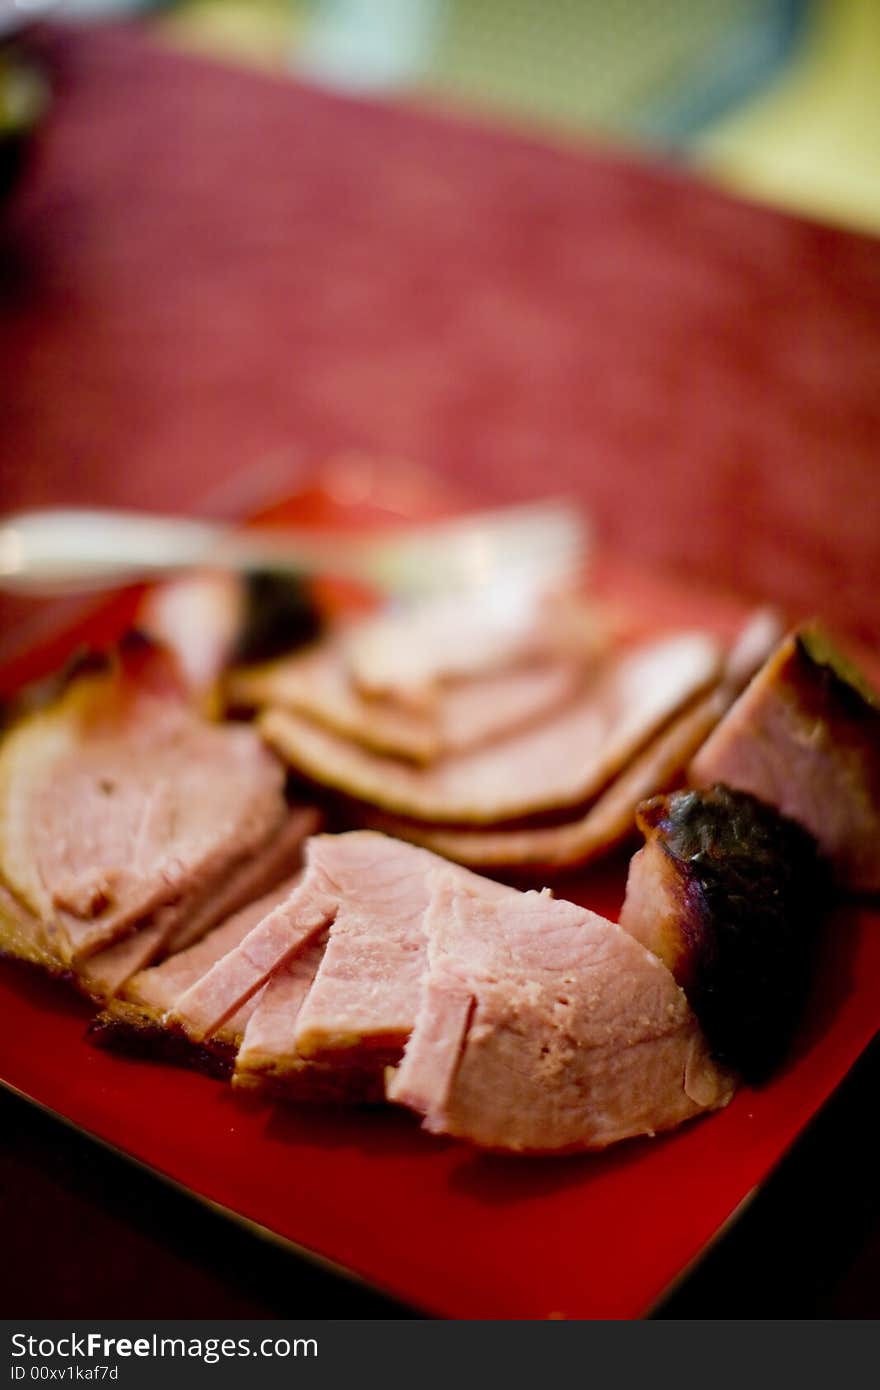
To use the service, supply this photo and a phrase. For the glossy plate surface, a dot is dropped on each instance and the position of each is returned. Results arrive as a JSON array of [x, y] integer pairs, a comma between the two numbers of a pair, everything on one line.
[[450, 1231]]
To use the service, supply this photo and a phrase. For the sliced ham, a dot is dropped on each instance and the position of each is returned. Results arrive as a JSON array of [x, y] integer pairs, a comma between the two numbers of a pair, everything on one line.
[[337, 1005], [269, 1059], [545, 1028], [371, 892], [464, 714], [134, 1020], [606, 823], [118, 800], [409, 653], [175, 927], [805, 737], [612, 816], [563, 761]]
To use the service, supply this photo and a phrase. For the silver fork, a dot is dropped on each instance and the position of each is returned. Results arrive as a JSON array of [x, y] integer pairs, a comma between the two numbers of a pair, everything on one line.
[[79, 551]]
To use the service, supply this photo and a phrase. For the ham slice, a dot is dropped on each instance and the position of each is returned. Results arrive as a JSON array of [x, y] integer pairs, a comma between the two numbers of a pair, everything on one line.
[[409, 653], [269, 1060], [545, 1028], [606, 823], [337, 1005], [562, 762], [805, 737], [175, 927], [730, 895], [134, 1020], [463, 714], [611, 818], [118, 800], [371, 892]]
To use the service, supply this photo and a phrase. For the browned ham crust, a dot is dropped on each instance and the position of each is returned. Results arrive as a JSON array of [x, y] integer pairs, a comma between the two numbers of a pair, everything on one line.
[[731, 896], [805, 737]]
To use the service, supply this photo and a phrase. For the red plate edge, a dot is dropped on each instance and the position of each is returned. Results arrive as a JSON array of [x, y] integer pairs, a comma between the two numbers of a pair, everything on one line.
[[449, 1231]]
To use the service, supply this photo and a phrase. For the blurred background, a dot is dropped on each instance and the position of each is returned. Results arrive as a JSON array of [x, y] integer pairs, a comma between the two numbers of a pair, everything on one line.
[[773, 98]]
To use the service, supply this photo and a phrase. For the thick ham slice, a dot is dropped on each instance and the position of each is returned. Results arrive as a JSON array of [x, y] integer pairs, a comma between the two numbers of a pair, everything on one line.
[[134, 1020], [805, 737], [606, 823], [371, 891], [563, 761], [338, 1005], [545, 1028], [409, 653], [118, 801], [175, 927], [730, 895], [462, 715], [611, 818]]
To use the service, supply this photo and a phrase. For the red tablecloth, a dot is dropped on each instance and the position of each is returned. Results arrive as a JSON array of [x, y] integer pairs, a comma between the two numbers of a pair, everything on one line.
[[206, 269]]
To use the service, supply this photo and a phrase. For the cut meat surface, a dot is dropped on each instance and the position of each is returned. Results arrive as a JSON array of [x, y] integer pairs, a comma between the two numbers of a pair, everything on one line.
[[137, 1016], [118, 801], [563, 761], [605, 824], [805, 737], [410, 653], [178, 926], [371, 891], [545, 1028], [342, 974], [612, 816]]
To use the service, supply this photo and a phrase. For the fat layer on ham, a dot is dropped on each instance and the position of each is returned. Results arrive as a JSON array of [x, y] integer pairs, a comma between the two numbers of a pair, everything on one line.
[[562, 761], [545, 1028]]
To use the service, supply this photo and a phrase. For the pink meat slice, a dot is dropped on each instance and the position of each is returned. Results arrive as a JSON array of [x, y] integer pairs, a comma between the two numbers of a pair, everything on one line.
[[159, 986], [805, 737], [119, 800], [410, 653], [606, 822], [268, 1048], [372, 893], [562, 761], [364, 983], [176, 927], [288, 929], [142, 1004], [367, 987], [463, 714], [545, 1028], [611, 818]]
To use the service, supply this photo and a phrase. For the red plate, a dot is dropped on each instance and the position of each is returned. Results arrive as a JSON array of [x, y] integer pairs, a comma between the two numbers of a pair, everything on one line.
[[450, 1231]]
